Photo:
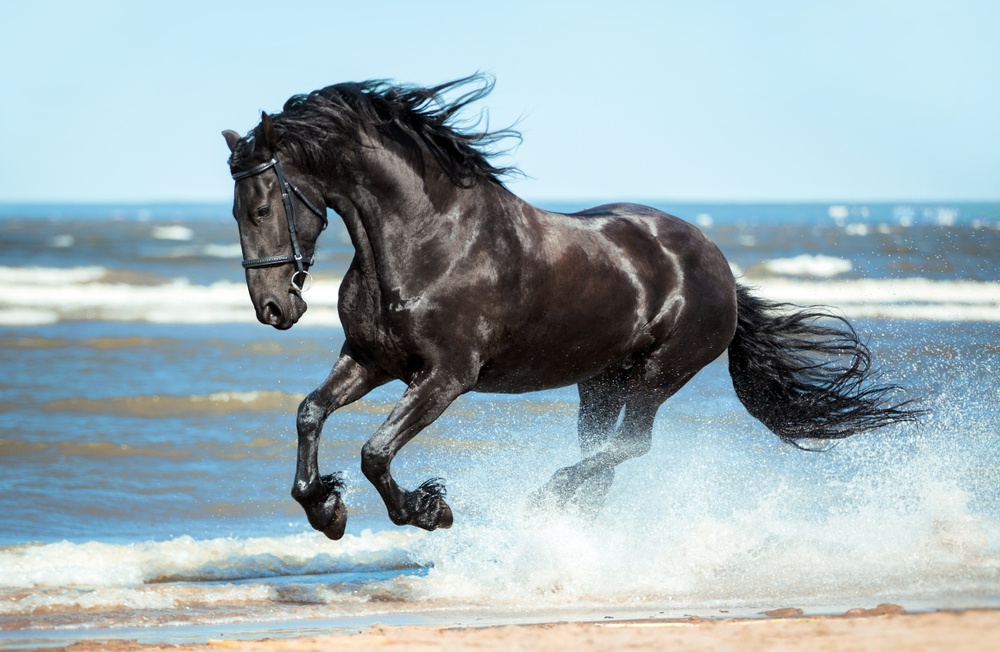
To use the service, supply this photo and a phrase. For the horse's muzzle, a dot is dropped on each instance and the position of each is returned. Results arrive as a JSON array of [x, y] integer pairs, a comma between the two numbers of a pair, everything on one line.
[[282, 315]]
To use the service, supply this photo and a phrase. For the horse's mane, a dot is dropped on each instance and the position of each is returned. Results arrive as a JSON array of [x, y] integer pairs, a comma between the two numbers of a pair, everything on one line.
[[316, 125]]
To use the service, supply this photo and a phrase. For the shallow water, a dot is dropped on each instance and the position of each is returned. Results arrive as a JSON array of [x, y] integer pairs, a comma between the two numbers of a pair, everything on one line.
[[147, 449]]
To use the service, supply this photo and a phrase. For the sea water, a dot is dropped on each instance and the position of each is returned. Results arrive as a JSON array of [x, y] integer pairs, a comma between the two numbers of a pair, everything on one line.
[[147, 446]]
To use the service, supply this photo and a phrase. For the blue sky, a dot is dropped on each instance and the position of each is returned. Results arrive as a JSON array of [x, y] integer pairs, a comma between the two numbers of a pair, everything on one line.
[[705, 101]]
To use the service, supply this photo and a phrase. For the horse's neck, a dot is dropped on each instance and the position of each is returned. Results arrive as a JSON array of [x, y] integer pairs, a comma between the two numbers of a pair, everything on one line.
[[393, 207]]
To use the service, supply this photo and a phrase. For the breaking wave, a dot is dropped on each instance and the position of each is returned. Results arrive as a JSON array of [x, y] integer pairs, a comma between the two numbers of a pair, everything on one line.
[[185, 559], [912, 298], [33, 296], [817, 266], [37, 296]]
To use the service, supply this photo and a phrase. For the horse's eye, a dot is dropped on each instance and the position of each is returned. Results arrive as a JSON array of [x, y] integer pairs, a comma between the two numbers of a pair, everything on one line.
[[264, 210]]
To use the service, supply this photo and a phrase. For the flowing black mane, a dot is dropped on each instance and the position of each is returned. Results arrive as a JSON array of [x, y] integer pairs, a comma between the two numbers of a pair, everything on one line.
[[421, 120]]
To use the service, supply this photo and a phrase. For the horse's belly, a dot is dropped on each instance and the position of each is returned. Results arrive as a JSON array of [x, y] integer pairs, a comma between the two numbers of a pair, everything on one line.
[[565, 357], [577, 323], [519, 381]]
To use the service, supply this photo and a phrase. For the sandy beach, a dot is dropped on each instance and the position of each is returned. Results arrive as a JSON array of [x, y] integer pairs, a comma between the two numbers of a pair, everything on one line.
[[886, 627]]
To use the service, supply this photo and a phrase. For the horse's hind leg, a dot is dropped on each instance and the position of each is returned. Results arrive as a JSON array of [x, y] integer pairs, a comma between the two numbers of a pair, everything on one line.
[[643, 389], [601, 402], [632, 438]]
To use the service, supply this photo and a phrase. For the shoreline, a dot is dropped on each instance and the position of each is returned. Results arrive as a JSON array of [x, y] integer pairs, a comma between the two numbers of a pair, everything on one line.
[[887, 626]]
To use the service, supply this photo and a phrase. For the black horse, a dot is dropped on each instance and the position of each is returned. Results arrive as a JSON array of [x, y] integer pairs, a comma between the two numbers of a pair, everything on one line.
[[458, 285]]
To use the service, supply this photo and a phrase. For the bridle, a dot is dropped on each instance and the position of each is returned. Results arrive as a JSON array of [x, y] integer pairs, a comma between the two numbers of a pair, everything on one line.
[[301, 279]]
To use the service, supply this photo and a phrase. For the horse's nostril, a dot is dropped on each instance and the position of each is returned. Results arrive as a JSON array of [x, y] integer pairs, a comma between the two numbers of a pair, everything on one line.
[[271, 313]]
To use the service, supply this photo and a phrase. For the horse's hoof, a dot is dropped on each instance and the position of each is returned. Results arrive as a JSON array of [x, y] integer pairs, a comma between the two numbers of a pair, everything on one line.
[[427, 505], [445, 517], [335, 529], [327, 513], [437, 518]]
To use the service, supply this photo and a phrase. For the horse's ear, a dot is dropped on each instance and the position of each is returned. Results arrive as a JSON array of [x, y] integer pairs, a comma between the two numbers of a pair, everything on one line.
[[267, 131], [231, 139]]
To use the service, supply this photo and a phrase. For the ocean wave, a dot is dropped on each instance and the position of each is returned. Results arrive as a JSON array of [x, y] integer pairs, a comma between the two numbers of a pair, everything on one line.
[[97, 584], [808, 265], [31, 276], [186, 559], [14, 451], [172, 232], [228, 251], [36, 296], [913, 298]]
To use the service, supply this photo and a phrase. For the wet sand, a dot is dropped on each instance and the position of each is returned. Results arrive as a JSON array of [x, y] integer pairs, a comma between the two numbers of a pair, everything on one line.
[[886, 627]]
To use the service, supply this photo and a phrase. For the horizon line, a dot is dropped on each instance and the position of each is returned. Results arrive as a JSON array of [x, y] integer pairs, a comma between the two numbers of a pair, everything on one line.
[[596, 200]]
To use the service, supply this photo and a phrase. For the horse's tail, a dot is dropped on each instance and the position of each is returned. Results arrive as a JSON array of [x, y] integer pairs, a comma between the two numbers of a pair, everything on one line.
[[806, 380]]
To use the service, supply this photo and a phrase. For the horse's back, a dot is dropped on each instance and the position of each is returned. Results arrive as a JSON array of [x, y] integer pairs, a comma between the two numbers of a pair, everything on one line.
[[604, 285], [696, 261]]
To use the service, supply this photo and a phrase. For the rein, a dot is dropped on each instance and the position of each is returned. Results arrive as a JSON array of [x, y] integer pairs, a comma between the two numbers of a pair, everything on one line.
[[287, 190]]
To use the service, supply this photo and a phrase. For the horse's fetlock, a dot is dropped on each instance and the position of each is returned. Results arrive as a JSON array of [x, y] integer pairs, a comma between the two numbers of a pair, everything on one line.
[[303, 491], [399, 517]]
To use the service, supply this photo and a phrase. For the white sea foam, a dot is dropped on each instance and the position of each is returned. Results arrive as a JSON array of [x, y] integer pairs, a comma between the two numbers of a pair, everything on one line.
[[95, 564], [27, 317], [35, 296], [704, 521], [50, 275], [702, 524], [32, 296], [229, 251], [914, 298], [215, 580], [838, 212], [223, 251], [173, 232], [884, 544], [806, 265]]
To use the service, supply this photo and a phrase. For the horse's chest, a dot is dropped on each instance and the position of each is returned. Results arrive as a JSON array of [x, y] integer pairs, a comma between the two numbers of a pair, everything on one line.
[[369, 323]]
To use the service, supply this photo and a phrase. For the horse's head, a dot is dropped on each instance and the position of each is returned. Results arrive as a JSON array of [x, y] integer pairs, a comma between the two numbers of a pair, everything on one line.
[[279, 223]]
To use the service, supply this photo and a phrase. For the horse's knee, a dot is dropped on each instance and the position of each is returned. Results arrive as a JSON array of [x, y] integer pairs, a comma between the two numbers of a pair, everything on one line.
[[375, 460], [310, 414]]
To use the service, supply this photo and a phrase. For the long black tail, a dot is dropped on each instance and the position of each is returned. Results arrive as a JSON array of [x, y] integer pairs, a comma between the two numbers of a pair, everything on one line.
[[804, 379]]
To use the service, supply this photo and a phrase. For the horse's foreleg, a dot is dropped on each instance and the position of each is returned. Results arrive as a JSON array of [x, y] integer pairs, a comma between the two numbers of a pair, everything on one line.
[[320, 496], [422, 402]]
